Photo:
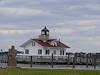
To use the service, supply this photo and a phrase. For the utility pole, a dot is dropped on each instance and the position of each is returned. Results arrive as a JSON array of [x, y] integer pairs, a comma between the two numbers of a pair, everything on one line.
[[1, 57], [52, 61], [94, 61], [68, 59], [74, 60], [87, 60], [31, 62]]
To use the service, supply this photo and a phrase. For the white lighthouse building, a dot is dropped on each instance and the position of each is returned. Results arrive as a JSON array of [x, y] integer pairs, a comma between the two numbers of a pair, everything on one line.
[[44, 46]]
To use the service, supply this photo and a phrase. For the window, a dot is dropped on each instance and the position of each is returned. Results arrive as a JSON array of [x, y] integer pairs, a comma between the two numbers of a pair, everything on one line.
[[26, 51], [43, 33], [47, 52], [54, 52], [39, 51], [47, 33], [33, 43], [61, 52]]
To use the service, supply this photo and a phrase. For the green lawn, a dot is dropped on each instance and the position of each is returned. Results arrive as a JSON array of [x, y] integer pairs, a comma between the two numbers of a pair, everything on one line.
[[47, 72]]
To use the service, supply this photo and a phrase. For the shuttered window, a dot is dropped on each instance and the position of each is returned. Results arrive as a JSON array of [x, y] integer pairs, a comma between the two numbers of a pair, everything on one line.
[[26, 51], [54, 52], [47, 52], [61, 52], [39, 51]]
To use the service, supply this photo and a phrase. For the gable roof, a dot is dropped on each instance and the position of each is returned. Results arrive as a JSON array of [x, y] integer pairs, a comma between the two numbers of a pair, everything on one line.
[[47, 43], [26, 43]]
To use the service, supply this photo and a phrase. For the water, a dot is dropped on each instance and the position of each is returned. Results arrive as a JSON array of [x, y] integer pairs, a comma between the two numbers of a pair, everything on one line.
[[37, 66], [80, 67]]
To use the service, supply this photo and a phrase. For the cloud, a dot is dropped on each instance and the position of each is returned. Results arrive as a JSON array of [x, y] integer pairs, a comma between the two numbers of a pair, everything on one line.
[[14, 31], [20, 11], [74, 21], [18, 31]]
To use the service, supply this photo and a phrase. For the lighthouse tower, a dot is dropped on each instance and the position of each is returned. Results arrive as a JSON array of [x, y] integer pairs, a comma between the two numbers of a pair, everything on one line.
[[44, 34]]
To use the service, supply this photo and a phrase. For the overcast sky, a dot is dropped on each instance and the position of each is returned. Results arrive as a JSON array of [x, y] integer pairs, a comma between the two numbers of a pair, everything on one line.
[[75, 22]]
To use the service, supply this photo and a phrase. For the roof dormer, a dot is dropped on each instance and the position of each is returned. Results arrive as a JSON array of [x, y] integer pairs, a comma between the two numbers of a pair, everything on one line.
[[54, 43]]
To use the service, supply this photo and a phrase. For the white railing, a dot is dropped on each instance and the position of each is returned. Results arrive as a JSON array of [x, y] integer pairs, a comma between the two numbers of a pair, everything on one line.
[[42, 58]]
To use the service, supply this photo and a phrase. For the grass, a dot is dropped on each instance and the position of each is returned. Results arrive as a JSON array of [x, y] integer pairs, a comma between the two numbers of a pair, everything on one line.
[[47, 72]]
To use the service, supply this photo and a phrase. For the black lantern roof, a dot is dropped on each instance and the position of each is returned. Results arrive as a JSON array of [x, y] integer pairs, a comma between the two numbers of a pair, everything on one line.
[[45, 29]]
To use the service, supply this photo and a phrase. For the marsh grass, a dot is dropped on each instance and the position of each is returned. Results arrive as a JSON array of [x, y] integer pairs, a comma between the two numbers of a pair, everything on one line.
[[47, 72]]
